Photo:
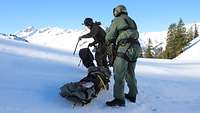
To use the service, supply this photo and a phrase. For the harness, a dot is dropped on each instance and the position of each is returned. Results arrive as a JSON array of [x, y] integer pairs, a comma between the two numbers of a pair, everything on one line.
[[132, 41]]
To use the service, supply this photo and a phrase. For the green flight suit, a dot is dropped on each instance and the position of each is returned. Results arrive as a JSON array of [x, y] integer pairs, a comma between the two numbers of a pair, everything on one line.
[[123, 31]]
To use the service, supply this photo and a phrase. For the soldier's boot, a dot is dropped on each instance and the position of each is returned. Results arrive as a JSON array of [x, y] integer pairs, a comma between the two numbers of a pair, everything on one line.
[[116, 102], [132, 99]]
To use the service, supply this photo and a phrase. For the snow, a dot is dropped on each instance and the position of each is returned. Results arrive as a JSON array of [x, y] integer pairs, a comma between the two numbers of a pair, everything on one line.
[[54, 37], [156, 38], [29, 31], [193, 48], [31, 76]]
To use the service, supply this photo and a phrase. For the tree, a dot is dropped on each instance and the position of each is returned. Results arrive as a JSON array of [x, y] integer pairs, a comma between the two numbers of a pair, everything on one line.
[[190, 35], [176, 39], [149, 50], [181, 39], [170, 51], [196, 33]]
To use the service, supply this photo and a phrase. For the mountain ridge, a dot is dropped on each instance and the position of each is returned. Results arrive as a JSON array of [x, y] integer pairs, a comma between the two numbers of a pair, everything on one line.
[[60, 38]]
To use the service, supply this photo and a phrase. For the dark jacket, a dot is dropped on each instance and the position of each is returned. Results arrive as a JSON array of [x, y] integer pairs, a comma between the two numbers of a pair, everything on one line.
[[97, 33]]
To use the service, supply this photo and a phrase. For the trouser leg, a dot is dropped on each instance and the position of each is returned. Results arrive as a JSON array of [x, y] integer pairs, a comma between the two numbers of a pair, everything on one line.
[[119, 68], [100, 57], [131, 80]]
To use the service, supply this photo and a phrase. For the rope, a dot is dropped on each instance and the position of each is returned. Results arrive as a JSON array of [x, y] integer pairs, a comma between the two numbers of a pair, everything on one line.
[[101, 81]]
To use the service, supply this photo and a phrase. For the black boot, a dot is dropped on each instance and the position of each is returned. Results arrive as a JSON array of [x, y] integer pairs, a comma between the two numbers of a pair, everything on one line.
[[116, 102], [132, 99]]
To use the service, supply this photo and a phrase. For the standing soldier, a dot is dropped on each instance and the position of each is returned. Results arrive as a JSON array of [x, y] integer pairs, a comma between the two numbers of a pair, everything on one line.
[[124, 34], [98, 34]]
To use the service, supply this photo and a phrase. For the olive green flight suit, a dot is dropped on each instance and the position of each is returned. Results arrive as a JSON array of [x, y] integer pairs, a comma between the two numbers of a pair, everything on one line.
[[123, 31]]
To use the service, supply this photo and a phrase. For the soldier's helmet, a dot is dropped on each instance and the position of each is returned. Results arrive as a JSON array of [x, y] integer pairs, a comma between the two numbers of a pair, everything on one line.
[[88, 22], [118, 10]]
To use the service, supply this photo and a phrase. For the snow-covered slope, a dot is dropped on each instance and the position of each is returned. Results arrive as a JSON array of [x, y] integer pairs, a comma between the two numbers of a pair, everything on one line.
[[192, 51], [31, 76]]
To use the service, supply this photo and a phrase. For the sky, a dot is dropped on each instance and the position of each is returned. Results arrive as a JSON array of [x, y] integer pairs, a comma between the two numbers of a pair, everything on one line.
[[150, 15]]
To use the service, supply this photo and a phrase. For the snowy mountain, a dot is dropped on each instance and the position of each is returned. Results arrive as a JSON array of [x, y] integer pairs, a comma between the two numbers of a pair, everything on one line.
[[157, 38], [13, 37], [193, 26], [55, 37], [59, 38], [28, 32], [31, 76]]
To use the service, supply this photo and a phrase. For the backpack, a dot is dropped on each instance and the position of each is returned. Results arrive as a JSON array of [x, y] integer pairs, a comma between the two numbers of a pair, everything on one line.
[[78, 93], [83, 91], [87, 57]]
